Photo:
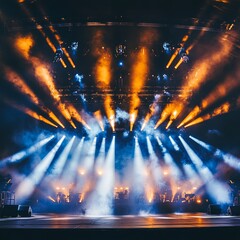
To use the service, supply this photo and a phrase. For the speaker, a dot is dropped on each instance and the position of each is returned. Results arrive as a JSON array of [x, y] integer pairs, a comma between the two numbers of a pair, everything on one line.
[[233, 210], [214, 209], [9, 211], [24, 211]]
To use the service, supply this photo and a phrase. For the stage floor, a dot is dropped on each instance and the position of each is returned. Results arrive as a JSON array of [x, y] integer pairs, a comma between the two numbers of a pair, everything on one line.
[[170, 226]]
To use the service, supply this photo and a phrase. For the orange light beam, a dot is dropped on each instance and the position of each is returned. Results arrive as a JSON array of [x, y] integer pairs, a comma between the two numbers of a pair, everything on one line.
[[224, 108], [103, 73], [42, 73], [220, 91], [18, 82], [179, 63], [165, 114], [98, 116], [15, 79], [184, 39], [138, 77], [59, 40], [34, 115], [51, 45], [39, 27], [75, 114]]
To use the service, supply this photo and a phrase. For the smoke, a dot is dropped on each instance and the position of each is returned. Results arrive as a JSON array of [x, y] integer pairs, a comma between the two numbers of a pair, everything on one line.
[[149, 129], [121, 115]]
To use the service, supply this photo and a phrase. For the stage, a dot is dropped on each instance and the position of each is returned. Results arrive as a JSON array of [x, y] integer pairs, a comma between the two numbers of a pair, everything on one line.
[[161, 226]]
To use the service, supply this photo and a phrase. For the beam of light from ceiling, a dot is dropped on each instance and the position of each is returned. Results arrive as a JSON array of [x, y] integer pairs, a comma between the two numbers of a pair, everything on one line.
[[85, 169], [56, 35], [20, 84], [152, 110], [27, 186], [201, 70], [99, 118], [224, 108], [70, 172], [139, 171], [138, 75], [204, 172], [103, 73], [15, 79], [76, 115], [139, 71], [101, 156], [193, 179], [32, 114], [206, 65], [59, 164], [184, 39], [165, 114], [19, 156], [51, 45], [228, 158], [155, 166], [222, 90], [173, 116], [42, 73], [175, 172], [175, 146], [101, 202], [40, 29], [202, 32], [215, 188], [60, 42]]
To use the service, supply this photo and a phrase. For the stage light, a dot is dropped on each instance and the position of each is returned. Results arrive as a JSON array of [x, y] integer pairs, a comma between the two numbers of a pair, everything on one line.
[[81, 171], [101, 199], [183, 54], [120, 64], [120, 49]]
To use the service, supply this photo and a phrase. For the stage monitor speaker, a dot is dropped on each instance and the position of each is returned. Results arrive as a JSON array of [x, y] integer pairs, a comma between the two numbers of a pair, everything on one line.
[[24, 211], [214, 209], [233, 210], [9, 211]]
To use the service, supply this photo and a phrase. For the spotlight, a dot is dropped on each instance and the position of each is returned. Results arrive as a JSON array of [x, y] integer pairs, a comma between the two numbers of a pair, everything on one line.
[[120, 64], [183, 55], [120, 49]]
